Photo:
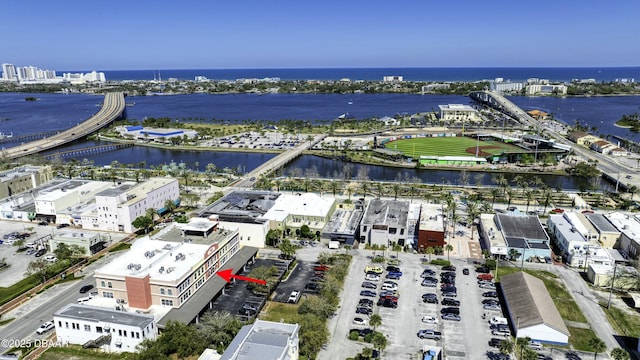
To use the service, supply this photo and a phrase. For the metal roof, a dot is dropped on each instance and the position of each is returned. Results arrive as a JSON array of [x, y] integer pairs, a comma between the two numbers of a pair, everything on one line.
[[265, 340], [105, 315], [521, 226], [529, 302], [601, 223]]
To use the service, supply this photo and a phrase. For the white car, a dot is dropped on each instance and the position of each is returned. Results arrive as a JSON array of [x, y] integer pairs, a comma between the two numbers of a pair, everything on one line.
[[51, 258], [429, 320], [85, 299], [45, 327], [359, 321], [372, 277]]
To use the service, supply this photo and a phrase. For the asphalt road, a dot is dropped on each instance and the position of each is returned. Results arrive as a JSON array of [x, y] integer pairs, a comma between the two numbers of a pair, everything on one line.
[[30, 315]]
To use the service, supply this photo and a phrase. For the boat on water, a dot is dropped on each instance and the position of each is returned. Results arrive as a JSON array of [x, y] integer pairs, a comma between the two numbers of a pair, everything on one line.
[[350, 102], [5, 136], [346, 116]]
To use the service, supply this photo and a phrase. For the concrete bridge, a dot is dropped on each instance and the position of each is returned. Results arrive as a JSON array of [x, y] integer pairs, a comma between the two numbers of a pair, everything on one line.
[[112, 108], [622, 176]]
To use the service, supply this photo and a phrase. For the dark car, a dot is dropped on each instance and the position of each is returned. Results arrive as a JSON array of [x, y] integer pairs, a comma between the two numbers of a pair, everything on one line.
[[448, 273], [369, 285], [365, 302], [62, 226], [430, 300], [492, 294], [427, 272], [40, 252], [392, 268], [86, 289], [465, 271], [490, 301], [364, 311], [449, 268], [368, 293], [495, 342], [393, 276], [312, 287], [450, 302], [396, 272], [388, 303], [450, 316], [483, 270], [450, 310], [43, 223], [362, 332]]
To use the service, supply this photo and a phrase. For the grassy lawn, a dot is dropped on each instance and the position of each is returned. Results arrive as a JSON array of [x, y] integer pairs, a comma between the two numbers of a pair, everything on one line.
[[281, 312], [580, 338], [624, 323], [445, 146], [77, 353], [567, 308]]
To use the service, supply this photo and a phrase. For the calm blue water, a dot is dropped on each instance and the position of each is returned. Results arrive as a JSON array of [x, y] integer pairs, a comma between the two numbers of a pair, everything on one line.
[[410, 74]]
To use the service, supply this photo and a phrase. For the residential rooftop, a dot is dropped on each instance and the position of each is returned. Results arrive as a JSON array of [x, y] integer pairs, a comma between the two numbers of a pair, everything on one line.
[[103, 315], [431, 217]]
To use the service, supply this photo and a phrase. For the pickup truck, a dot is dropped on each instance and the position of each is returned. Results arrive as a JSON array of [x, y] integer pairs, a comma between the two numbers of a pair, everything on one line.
[[429, 334]]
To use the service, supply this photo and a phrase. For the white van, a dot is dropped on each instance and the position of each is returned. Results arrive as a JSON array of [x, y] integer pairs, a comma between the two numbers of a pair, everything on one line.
[[294, 297], [498, 320]]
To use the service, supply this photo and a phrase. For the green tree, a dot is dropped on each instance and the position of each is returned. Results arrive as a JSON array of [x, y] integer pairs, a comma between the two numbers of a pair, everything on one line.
[[219, 328], [170, 205], [522, 343], [287, 248], [620, 354], [316, 306], [151, 214], [142, 222], [177, 339], [375, 320], [430, 251], [64, 251], [38, 268], [597, 345], [448, 248], [379, 341], [367, 352], [305, 232], [506, 346], [273, 235]]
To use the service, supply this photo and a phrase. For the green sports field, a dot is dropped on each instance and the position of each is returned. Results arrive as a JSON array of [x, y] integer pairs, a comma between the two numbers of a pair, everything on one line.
[[448, 146]]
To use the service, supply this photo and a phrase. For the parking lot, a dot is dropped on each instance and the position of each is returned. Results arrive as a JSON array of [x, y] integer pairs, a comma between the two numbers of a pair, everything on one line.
[[297, 280], [18, 261]]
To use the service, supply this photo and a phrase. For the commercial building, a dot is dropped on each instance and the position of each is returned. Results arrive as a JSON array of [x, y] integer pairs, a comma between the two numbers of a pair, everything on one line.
[[265, 340], [9, 72], [161, 135], [531, 310], [546, 89], [608, 235], [392, 78], [629, 227], [98, 327], [89, 242], [167, 272], [575, 249], [117, 207], [290, 212], [458, 113], [626, 277], [385, 222], [344, 225], [499, 85], [431, 227], [492, 237], [582, 138], [49, 202], [244, 209], [523, 234], [21, 206], [23, 178]]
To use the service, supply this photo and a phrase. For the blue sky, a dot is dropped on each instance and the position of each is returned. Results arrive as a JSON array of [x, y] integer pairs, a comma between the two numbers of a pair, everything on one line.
[[141, 34]]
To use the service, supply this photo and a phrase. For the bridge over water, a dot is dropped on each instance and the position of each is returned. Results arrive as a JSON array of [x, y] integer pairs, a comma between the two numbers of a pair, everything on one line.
[[111, 109], [612, 170]]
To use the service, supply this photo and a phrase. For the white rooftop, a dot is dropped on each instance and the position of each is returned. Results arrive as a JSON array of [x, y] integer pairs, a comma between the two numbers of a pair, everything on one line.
[[140, 192], [569, 232], [164, 261], [457, 107], [86, 188], [431, 217], [626, 223], [302, 204]]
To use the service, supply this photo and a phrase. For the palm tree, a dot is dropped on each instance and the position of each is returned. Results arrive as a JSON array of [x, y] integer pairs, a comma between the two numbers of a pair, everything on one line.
[[632, 190], [151, 214], [379, 341], [375, 320], [169, 205], [448, 248], [379, 187], [494, 194], [396, 190], [522, 344], [367, 352], [597, 345], [620, 354], [430, 251], [365, 187], [506, 346]]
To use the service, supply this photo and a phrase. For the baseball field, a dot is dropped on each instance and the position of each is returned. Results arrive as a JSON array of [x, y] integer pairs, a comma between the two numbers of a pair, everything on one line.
[[448, 146]]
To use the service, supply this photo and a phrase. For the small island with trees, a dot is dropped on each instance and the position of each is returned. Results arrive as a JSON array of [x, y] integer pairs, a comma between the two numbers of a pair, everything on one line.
[[630, 121], [31, 98]]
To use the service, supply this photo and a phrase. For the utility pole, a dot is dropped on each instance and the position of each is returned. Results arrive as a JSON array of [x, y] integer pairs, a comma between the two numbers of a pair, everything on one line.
[[613, 280]]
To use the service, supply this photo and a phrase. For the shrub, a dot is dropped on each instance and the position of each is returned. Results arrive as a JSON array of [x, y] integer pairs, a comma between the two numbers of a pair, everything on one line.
[[440, 262], [354, 335]]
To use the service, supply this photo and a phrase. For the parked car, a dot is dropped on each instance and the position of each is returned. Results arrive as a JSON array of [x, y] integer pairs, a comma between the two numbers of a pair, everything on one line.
[[320, 267], [490, 301], [450, 302], [388, 303], [429, 283], [427, 273], [51, 258], [449, 268], [395, 273], [449, 316], [503, 332], [312, 287], [62, 226], [393, 276], [429, 334], [368, 293], [374, 268], [393, 293], [45, 327], [40, 252], [495, 342], [372, 277], [450, 310], [365, 302], [43, 223], [392, 268], [487, 285], [465, 271], [490, 294], [364, 311], [485, 276], [294, 297], [86, 289], [483, 270], [362, 332], [369, 285], [493, 307], [358, 321], [429, 319]]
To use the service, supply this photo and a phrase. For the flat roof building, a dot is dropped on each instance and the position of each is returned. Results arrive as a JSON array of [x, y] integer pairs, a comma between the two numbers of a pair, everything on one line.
[[264, 340], [492, 237], [293, 211], [524, 234], [23, 178], [344, 225], [629, 226], [431, 227], [575, 249], [385, 222], [458, 113], [608, 235], [166, 272], [97, 327]]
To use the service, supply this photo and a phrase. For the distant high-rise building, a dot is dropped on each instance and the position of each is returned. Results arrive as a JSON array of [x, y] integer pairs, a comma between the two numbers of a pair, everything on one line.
[[9, 72]]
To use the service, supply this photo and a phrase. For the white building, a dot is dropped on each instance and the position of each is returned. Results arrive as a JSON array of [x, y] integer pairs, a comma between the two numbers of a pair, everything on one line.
[[117, 207], [9, 72], [97, 327], [49, 203], [385, 222], [392, 78], [546, 89], [90, 242], [265, 340], [161, 135], [458, 113], [167, 273], [293, 211], [629, 226], [500, 86], [577, 250]]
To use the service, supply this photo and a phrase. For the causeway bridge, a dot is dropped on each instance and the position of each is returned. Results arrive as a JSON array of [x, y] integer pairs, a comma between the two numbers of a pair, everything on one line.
[[619, 174], [111, 109]]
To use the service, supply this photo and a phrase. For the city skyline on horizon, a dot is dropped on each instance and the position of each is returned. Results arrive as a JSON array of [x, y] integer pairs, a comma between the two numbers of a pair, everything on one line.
[[332, 34]]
